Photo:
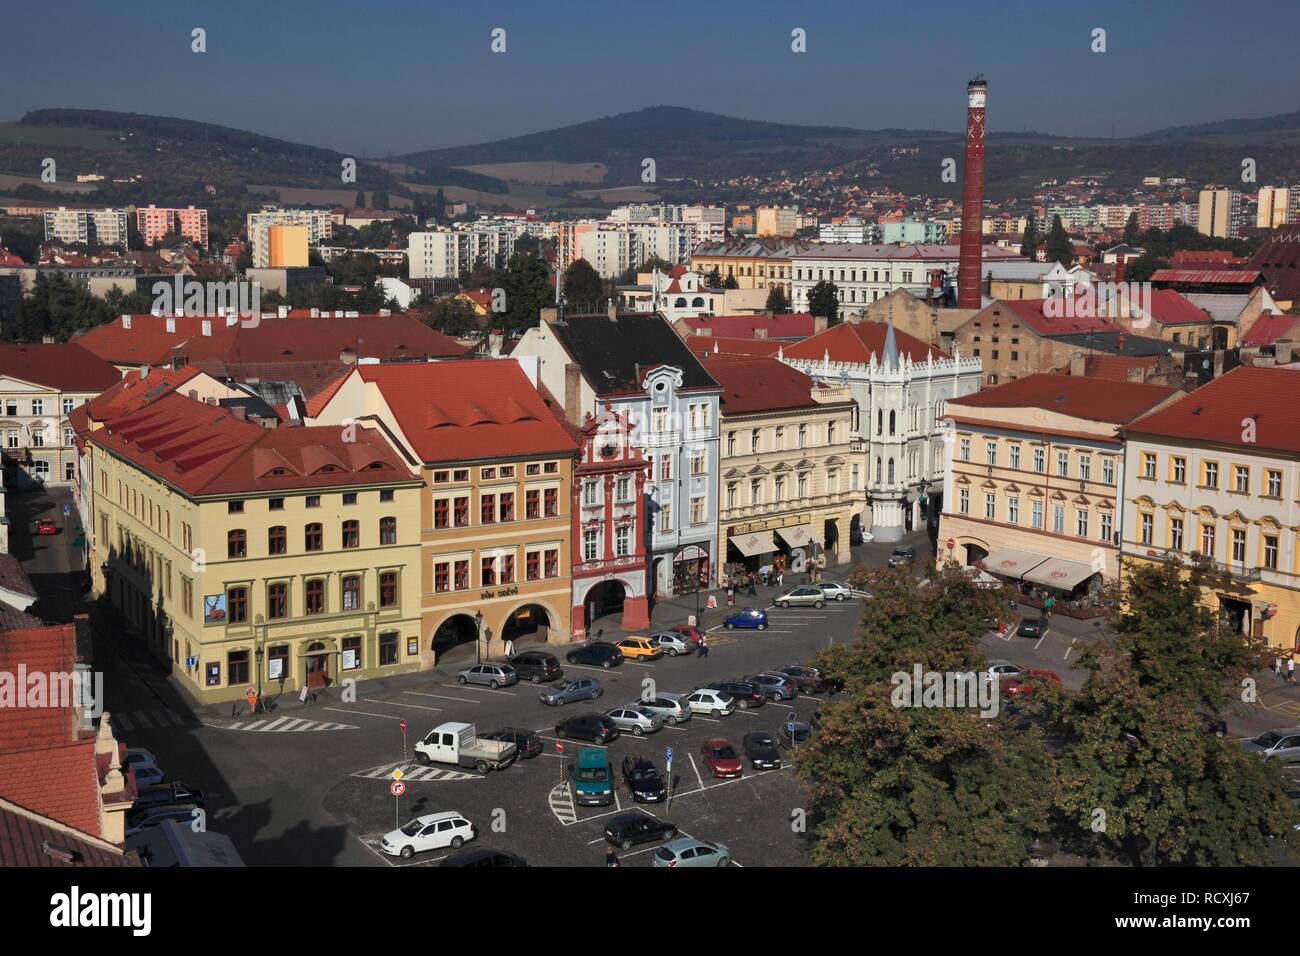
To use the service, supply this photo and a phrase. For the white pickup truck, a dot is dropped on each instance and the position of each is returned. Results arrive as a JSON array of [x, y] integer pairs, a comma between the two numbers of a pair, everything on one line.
[[459, 744]]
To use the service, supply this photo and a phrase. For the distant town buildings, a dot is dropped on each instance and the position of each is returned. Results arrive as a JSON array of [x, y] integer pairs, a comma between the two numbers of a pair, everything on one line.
[[1219, 213], [155, 222], [287, 243], [105, 227]]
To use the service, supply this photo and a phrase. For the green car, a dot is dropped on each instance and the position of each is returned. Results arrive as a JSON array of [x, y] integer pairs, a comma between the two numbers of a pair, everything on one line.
[[801, 596], [691, 852], [594, 780]]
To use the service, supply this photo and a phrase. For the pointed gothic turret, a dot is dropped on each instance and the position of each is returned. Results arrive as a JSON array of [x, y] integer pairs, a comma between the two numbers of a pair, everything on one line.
[[890, 358]]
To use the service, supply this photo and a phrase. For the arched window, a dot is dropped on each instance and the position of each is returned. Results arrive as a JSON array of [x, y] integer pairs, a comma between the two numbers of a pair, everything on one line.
[[891, 423], [352, 533], [891, 471], [880, 421], [877, 471], [679, 303], [388, 530]]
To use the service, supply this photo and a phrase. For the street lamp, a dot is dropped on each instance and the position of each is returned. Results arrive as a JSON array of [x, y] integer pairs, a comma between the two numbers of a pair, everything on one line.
[[258, 654], [478, 637]]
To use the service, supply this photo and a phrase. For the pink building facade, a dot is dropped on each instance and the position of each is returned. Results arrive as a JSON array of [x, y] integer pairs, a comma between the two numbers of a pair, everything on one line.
[[155, 222]]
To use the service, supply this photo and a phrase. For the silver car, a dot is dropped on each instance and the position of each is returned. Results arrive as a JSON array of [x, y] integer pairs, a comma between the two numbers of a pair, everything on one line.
[[1001, 668], [671, 707], [776, 686], [835, 590], [494, 675], [801, 596], [633, 720], [672, 644], [584, 688], [1283, 745]]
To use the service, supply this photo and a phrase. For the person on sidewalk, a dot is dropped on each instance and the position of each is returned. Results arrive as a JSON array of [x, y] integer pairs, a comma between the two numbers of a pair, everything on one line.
[[753, 591], [611, 858], [1277, 667], [1290, 669]]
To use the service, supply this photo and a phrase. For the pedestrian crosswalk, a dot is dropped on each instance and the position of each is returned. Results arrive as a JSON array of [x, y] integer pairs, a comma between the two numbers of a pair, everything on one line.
[[415, 773], [154, 717], [284, 725]]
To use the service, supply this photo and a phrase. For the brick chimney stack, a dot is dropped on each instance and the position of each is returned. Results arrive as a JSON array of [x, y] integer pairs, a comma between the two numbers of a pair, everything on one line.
[[972, 198]]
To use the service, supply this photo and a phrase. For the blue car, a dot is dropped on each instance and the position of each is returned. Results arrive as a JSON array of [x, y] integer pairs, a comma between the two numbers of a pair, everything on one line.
[[746, 617]]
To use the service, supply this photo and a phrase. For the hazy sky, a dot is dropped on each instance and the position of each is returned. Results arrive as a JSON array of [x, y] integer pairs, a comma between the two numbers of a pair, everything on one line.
[[374, 76]]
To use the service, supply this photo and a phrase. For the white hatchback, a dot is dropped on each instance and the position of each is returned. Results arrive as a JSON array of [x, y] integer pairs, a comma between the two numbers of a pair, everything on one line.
[[433, 831], [705, 701]]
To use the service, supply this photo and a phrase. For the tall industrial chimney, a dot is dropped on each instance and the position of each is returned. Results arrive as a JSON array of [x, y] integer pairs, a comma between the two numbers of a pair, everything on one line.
[[972, 198]]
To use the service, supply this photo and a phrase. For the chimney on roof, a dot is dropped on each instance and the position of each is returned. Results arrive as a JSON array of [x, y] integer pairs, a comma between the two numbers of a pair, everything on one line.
[[760, 333], [1284, 351], [144, 371], [550, 315], [240, 412], [1119, 268], [496, 339], [1135, 374], [347, 356], [284, 312], [315, 313], [126, 321], [207, 327], [1078, 364], [572, 392], [211, 400], [47, 339], [171, 325], [194, 394], [819, 324]]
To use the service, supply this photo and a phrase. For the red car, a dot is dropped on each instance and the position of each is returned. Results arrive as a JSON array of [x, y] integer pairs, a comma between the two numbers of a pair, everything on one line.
[[46, 526], [1022, 685], [721, 758], [688, 633]]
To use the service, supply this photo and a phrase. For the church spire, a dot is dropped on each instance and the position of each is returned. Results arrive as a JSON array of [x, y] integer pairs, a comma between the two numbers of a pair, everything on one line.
[[891, 346]]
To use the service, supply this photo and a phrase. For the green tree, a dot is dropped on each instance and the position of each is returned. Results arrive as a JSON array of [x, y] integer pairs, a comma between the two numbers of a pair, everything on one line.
[[1132, 230], [379, 199], [713, 279], [527, 289], [582, 285], [1029, 244], [482, 276], [730, 283], [824, 300], [776, 301], [451, 316], [1141, 268], [360, 201], [1059, 247]]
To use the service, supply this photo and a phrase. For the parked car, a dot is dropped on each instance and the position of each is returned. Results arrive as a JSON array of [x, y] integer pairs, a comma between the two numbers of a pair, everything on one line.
[[761, 749], [672, 643], [795, 733], [628, 829], [493, 675], [778, 687], [1023, 684], [1003, 669], [144, 766], [1283, 745], [643, 779], [167, 793], [639, 648], [901, 556], [635, 720], [598, 653], [46, 526], [146, 818], [836, 590], [671, 707], [721, 758], [746, 618], [583, 688], [692, 634], [484, 856], [1033, 626], [590, 726], [526, 742], [593, 780], [432, 831], [745, 694], [689, 851], [807, 679], [710, 702], [537, 666], [804, 595]]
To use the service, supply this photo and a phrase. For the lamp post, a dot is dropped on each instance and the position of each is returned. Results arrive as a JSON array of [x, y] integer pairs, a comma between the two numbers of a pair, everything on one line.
[[478, 637], [259, 676]]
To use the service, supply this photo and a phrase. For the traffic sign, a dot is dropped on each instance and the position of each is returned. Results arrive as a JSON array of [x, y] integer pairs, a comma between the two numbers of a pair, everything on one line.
[[397, 773], [559, 746], [402, 724], [397, 788], [668, 755], [951, 544], [67, 510]]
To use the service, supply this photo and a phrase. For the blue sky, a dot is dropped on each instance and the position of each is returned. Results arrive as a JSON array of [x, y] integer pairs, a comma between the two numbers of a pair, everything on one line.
[[380, 76]]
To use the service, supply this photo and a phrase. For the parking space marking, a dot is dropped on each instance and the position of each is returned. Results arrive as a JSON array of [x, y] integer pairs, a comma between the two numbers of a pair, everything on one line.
[[485, 690], [372, 840], [398, 703], [691, 758], [466, 700], [362, 713]]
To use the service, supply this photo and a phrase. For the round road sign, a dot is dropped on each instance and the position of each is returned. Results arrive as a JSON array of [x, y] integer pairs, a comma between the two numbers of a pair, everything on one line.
[[397, 788], [402, 725]]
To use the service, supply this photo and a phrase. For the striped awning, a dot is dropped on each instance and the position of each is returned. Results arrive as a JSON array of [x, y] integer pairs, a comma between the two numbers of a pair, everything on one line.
[[755, 543]]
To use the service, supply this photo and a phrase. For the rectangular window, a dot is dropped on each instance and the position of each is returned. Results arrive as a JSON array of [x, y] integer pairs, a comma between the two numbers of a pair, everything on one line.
[[552, 502], [1148, 465], [1063, 464], [532, 503], [1058, 519], [991, 453], [461, 575], [963, 500], [666, 468], [237, 605], [1107, 526], [1241, 479], [507, 506], [313, 501], [441, 577], [1211, 474], [1176, 534], [590, 493], [388, 644], [388, 587], [487, 572], [532, 565], [964, 449], [275, 504], [315, 596], [349, 497], [623, 490], [1081, 522], [697, 461], [1207, 540], [1107, 471], [1274, 484], [666, 516], [460, 509], [234, 507], [1013, 510], [460, 474], [385, 495], [1146, 528], [697, 510], [1085, 468], [1014, 453], [441, 476], [551, 562], [623, 541], [237, 667], [487, 509], [1238, 545], [351, 659], [351, 592], [532, 468], [487, 474], [990, 505], [441, 513], [277, 600], [1036, 514], [1270, 551], [590, 544], [1040, 460], [1179, 470], [507, 471]]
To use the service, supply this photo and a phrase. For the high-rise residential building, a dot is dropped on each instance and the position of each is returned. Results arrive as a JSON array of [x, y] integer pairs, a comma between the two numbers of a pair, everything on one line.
[[611, 249], [105, 226], [155, 222], [1219, 213], [287, 246], [1274, 204], [776, 221], [319, 224]]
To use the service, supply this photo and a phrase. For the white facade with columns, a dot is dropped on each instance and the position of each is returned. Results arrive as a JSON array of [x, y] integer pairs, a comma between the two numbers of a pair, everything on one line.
[[899, 418]]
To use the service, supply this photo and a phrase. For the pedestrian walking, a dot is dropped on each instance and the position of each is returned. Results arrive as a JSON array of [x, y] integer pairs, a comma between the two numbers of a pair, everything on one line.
[[753, 591], [611, 858], [1277, 666], [704, 645], [780, 575], [1290, 669]]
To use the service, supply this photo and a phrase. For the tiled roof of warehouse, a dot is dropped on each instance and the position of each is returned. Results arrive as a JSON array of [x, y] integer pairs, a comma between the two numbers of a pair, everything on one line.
[[65, 366], [705, 345], [755, 383], [616, 355], [1089, 398], [1216, 410], [783, 325], [857, 342]]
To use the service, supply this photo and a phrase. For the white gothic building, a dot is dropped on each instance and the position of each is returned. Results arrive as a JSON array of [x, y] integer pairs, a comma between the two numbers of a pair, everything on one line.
[[900, 385]]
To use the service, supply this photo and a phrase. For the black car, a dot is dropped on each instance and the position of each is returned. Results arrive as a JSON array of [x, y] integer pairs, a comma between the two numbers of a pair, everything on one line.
[[807, 679], [527, 742], [1033, 627], [594, 727], [628, 829], [537, 666], [747, 695], [643, 779], [483, 856], [902, 556], [796, 737], [164, 793], [762, 751], [597, 652]]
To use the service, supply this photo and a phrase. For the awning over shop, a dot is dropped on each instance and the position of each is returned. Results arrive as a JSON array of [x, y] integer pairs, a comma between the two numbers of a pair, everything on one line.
[[755, 543], [1012, 562], [798, 535], [1060, 573]]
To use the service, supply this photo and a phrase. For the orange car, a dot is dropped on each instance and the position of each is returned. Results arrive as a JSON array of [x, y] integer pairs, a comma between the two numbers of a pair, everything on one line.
[[634, 648]]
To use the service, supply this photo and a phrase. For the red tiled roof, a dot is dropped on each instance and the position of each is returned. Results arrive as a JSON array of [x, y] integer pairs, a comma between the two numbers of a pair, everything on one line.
[[1278, 258], [474, 408], [1216, 410], [205, 450], [857, 342], [1031, 313], [60, 365], [1270, 327], [1113, 368], [13, 577], [783, 325], [321, 398], [1169, 307], [130, 393], [22, 832], [702, 345], [753, 383], [1086, 398], [8, 259], [1205, 276]]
